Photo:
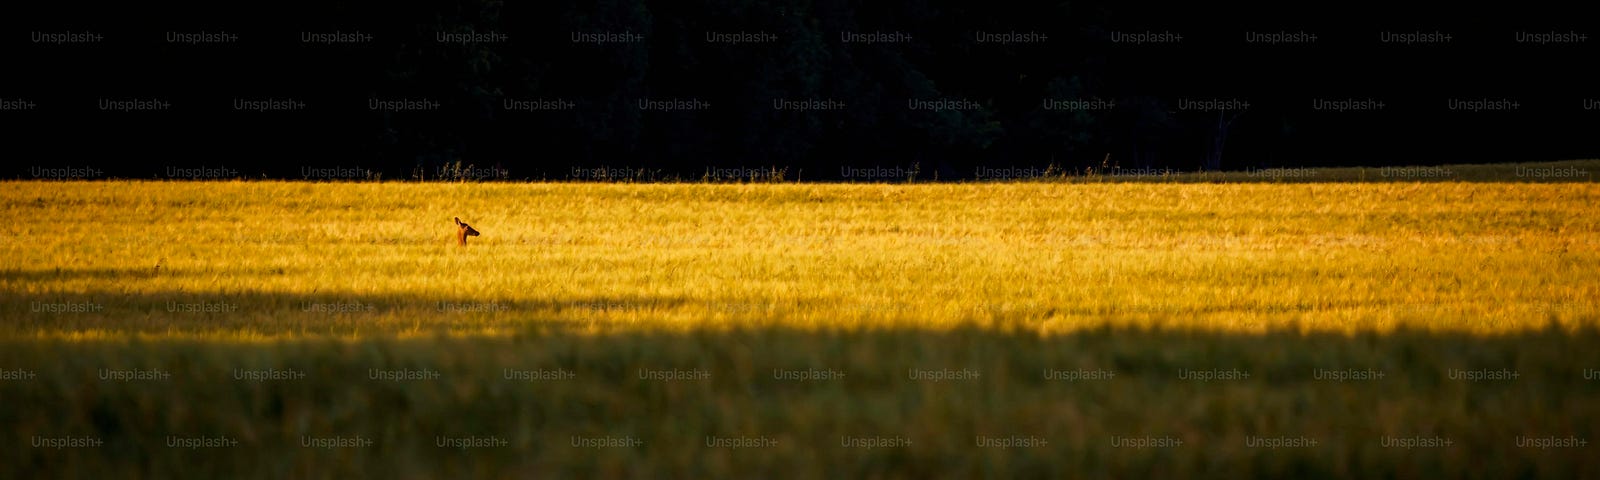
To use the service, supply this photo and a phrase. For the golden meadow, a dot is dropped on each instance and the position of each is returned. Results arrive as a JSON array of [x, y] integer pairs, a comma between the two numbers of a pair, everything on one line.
[[1123, 287], [268, 260]]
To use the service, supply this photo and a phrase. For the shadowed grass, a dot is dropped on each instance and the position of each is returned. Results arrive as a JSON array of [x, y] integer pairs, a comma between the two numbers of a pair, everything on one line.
[[1073, 421]]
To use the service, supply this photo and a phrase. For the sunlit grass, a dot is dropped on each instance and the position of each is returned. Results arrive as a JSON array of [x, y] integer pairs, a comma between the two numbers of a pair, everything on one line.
[[1051, 258], [1144, 279]]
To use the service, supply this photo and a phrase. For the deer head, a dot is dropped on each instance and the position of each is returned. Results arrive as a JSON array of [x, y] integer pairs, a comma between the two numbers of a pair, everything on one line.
[[463, 231]]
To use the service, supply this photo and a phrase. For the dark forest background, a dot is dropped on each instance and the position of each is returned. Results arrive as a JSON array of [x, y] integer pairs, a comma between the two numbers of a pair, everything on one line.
[[55, 119]]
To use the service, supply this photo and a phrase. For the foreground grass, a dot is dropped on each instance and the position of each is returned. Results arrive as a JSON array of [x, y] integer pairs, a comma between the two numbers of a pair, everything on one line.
[[1147, 280], [1058, 427]]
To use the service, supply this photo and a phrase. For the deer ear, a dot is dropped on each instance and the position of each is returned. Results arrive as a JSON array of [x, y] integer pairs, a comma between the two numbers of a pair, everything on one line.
[[458, 220]]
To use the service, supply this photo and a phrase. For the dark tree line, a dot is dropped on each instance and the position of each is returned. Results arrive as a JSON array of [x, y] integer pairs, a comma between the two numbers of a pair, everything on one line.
[[1142, 97]]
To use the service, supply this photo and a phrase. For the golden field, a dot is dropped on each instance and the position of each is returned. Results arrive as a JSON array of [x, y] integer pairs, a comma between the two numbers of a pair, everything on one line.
[[1478, 257], [1147, 279]]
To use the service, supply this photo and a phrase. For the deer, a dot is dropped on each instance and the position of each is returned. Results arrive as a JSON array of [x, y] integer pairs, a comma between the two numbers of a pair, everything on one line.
[[463, 231]]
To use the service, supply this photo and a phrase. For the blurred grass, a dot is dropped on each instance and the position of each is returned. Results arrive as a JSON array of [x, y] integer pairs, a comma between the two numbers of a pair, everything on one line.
[[1007, 279], [1075, 421]]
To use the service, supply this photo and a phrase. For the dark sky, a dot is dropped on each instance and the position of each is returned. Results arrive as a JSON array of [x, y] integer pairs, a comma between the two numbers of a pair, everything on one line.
[[132, 91]]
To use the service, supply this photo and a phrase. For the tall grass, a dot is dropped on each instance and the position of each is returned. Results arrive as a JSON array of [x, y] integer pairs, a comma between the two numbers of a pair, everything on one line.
[[1477, 257], [1003, 281]]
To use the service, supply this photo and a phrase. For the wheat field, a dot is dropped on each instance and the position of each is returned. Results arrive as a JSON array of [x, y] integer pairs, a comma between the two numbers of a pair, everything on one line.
[[634, 329]]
